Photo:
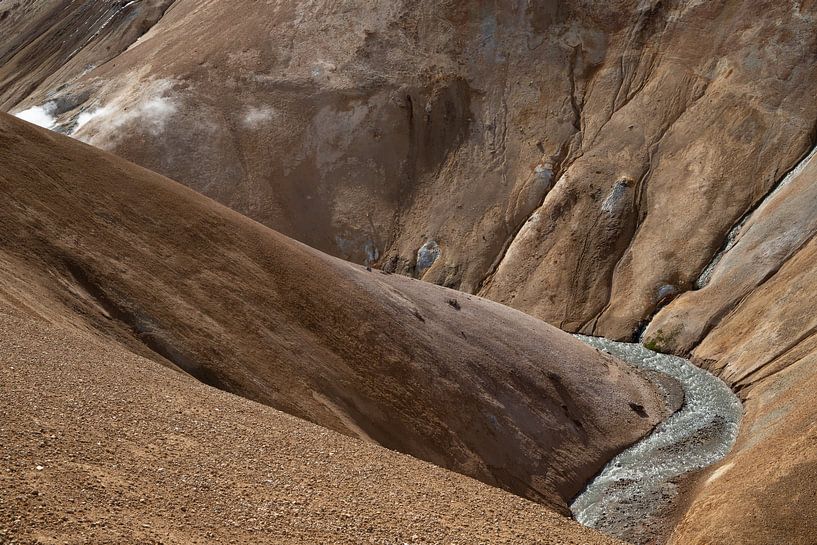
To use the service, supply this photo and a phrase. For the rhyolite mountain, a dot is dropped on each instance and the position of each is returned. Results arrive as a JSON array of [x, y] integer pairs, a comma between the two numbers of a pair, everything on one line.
[[96, 243], [620, 168]]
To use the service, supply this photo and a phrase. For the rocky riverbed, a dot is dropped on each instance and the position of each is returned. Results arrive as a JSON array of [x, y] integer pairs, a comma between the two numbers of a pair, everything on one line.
[[633, 496]]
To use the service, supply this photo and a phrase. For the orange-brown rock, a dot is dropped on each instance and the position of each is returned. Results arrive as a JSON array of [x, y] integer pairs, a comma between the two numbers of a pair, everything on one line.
[[752, 323], [379, 130], [781, 227], [583, 162], [698, 133], [764, 490]]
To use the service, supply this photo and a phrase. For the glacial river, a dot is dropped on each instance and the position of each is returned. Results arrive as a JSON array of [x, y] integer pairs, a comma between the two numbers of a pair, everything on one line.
[[634, 489]]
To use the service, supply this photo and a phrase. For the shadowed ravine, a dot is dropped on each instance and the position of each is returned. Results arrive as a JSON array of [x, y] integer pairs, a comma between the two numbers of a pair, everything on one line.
[[634, 493]]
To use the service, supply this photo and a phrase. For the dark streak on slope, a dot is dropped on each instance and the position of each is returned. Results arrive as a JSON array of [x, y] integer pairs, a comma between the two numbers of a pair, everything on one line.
[[142, 327]]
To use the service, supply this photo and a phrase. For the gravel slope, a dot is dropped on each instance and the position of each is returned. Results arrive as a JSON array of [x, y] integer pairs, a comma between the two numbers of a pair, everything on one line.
[[98, 445]]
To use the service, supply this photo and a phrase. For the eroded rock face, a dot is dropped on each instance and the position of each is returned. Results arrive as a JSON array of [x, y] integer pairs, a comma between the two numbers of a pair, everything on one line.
[[781, 226], [395, 123], [752, 323], [686, 131], [764, 491], [544, 145]]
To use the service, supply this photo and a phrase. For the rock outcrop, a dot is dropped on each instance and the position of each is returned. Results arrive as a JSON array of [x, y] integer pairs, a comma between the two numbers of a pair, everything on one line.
[[753, 324], [541, 148]]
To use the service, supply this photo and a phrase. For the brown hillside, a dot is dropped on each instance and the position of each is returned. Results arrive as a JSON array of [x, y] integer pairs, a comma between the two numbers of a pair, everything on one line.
[[99, 445], [584, 162], [91, 241]]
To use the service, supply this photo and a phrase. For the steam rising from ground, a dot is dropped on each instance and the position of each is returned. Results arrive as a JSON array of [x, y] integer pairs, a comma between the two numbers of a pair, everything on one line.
[[255, 116], [40, 115], [150, 105], [87, 116], [152, 109]]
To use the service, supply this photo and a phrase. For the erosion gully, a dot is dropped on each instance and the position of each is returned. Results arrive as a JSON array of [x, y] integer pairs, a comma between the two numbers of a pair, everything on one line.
[[633, 496]]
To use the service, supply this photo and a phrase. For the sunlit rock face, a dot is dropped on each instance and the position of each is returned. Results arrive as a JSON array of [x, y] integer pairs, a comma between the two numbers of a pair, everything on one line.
[[543, 146], [767, 238], [586, 269]]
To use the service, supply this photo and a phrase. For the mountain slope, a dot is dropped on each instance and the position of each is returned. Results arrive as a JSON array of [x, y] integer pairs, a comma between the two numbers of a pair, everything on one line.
[[91, 241], [50, 42], [99, 445], [528, 153], [585, 162]]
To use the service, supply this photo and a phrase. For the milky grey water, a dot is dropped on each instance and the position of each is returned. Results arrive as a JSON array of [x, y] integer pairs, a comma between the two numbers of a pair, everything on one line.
[[636, 486]]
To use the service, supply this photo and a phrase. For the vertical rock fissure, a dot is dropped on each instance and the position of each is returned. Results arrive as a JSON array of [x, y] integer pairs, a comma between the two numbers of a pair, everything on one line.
[[559, 168], [640, 214], [561, 163]]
